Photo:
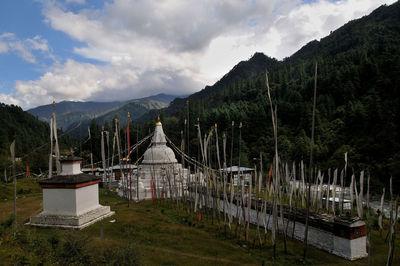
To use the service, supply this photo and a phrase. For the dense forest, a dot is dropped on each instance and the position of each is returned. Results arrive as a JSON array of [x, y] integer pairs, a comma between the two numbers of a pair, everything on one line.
[[32, 145]]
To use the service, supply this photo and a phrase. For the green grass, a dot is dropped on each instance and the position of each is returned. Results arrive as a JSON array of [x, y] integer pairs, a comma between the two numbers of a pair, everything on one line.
[[149, 234], [25, 187]]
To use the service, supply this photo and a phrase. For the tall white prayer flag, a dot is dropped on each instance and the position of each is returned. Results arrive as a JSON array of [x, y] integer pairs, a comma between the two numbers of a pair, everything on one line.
[[12, 150]]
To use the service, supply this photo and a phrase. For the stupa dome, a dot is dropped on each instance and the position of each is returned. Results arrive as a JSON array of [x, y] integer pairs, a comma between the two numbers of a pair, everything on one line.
[[159, 152]]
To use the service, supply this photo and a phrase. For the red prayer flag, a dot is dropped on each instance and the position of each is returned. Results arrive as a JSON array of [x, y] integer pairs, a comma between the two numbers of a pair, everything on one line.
[[270, 173], [153, 199], [162, 195]]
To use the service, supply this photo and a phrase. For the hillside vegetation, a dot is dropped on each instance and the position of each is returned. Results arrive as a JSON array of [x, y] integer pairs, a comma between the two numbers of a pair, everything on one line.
[[31, 136], [358, 101]]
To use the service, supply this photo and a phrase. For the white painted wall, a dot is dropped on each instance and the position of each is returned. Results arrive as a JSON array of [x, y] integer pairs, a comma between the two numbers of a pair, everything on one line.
[[346, 248], [59, 201], [71, 168], [87, 198], [353, 249], [156, 172], [70, 201]]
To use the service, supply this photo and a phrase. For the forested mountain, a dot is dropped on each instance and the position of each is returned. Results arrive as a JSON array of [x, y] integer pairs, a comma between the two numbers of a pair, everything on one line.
[[31, 136], [136, 110], [69, 112], [244, 70], [358, 101]]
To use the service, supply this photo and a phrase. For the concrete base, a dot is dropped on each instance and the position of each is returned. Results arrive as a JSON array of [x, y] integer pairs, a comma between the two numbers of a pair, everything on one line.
[[71, 222]]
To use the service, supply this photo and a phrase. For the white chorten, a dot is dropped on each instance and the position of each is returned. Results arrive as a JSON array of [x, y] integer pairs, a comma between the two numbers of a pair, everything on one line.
[[160, 173], [71, 199]]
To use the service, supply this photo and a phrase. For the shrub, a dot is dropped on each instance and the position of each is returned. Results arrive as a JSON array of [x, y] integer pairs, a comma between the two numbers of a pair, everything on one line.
[[73, 250], [122, 255]]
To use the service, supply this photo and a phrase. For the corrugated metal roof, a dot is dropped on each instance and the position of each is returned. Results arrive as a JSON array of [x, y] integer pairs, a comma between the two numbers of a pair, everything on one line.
[[115, 167], [236, 169]]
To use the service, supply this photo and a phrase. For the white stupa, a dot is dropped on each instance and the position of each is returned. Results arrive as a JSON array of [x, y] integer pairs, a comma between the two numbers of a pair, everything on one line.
[[160, 167], [71, 199]]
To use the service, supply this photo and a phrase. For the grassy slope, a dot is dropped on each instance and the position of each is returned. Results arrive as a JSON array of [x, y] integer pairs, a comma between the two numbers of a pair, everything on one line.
[[158, 234]]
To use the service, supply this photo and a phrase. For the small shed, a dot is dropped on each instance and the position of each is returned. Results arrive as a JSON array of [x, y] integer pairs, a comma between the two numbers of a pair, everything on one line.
[[235, 170]]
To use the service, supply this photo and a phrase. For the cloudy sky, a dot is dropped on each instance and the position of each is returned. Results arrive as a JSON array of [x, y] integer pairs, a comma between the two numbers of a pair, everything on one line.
[[123, 49]]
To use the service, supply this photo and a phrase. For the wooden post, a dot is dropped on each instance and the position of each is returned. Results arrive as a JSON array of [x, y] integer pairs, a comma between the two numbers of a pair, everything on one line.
[[369, 225], [381, 211], [12, 150], [276, 167], [101, 231], [128, 158], [137, 160]]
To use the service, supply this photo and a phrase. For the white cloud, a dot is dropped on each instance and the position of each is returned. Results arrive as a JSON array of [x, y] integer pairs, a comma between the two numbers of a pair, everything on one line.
[[10, 99], [3, 47], [316, 20], [76, 81], [24, 48], [172, 46]]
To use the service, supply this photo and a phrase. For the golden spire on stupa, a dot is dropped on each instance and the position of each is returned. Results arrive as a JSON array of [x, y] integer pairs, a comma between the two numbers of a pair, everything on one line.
[[158, 121]]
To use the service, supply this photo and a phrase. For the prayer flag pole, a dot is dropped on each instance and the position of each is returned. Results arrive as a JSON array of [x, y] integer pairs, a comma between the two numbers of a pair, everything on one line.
[[12, 151], [128, 157]]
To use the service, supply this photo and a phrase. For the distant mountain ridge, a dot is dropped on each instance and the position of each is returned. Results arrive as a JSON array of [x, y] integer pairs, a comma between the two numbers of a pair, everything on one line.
[[70, 112]]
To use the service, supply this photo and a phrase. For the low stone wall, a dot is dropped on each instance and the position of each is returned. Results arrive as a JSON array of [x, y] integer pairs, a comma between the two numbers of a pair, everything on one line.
[[326, 234], [339, 236]]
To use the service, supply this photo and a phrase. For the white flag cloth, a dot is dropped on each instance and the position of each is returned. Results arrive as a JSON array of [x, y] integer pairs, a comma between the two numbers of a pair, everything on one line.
[[320, 191], [58, 165], [352, 191], [103, 156], [51, 149], [328, 190], [334, 189], [274, 212], [356, 196], [292, 184], [303, 184], [12, 150], [381, 209], [360, 195], [341, 195]]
